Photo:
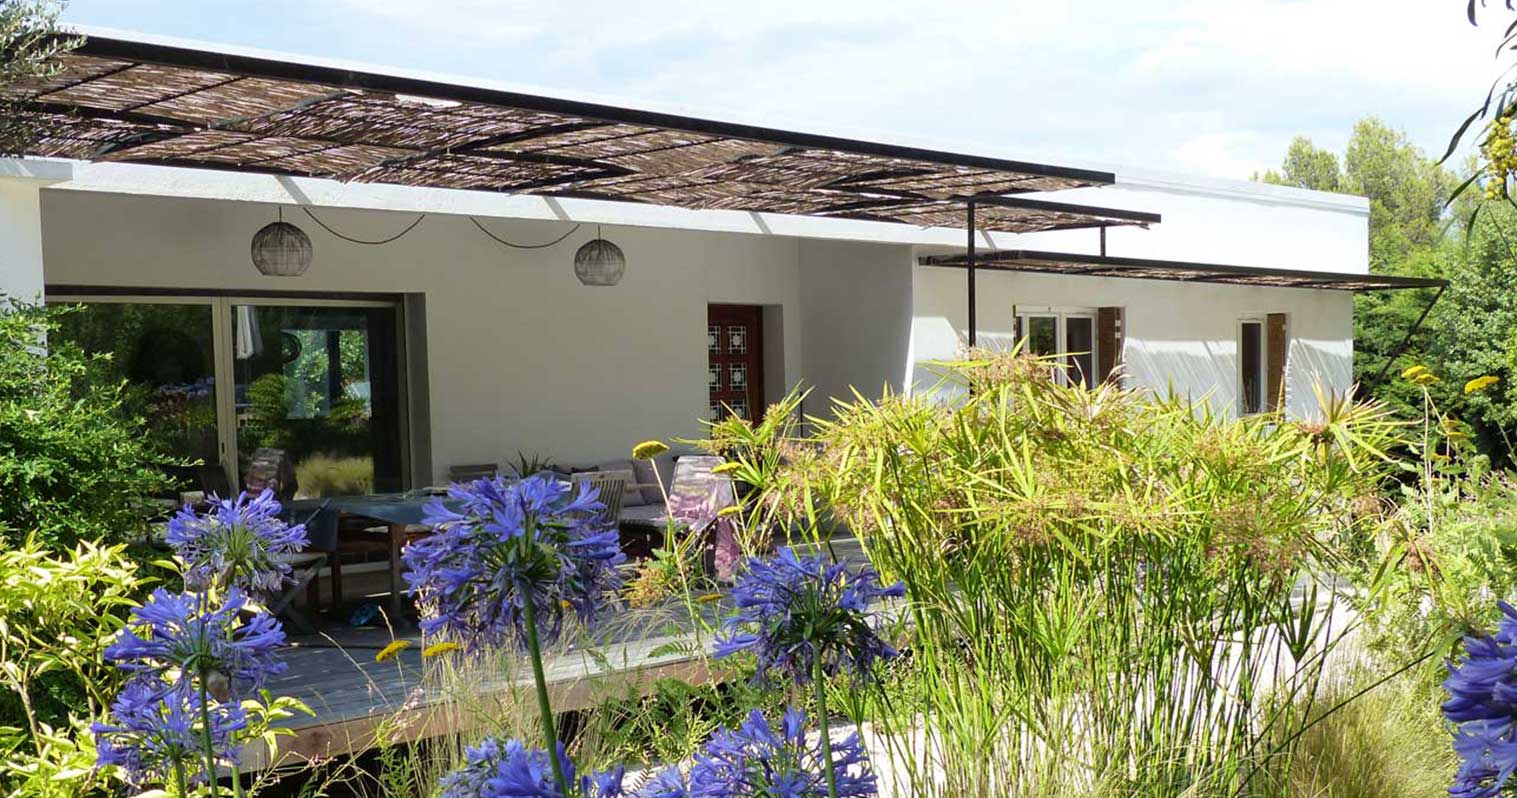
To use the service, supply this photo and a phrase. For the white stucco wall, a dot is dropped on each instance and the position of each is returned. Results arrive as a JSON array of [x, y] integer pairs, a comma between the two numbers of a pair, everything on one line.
[[521, 356], [857, 310], [1179, 336], [21, 276]]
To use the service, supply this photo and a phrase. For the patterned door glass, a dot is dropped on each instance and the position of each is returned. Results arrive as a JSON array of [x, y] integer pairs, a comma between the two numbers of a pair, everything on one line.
[[714, 377], [713, 339], [737, 340], [737, 377]]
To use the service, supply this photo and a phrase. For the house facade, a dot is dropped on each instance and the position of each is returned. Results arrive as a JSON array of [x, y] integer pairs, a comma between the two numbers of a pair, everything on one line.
[[445, 326]]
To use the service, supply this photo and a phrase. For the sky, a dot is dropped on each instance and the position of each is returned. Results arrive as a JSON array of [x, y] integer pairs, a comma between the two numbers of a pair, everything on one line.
[[1210, 88]]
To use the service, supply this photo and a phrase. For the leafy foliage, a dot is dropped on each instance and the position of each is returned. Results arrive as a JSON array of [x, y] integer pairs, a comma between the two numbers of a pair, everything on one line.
[[73, 465], [57, 614]]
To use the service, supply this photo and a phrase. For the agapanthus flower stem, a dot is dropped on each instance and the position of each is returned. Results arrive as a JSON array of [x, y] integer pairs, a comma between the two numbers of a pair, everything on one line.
[[205, 734], [180, 782], [819, 676], [544, 707]]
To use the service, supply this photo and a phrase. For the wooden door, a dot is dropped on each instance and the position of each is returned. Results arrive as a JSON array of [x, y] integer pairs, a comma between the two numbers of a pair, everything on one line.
[[735, 360]]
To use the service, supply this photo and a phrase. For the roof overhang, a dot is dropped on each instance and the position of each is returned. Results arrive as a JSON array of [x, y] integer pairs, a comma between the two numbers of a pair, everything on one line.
[[1022, 260], [122, 100]]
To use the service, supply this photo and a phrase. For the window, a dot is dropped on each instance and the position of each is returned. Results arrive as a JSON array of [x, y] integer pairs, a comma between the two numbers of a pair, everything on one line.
[[1070, 334], [1251, 359]]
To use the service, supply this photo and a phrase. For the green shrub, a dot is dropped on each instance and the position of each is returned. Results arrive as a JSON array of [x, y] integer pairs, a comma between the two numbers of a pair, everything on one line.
[[331, 475], [1445, 551], [57, 614], [73, 465]]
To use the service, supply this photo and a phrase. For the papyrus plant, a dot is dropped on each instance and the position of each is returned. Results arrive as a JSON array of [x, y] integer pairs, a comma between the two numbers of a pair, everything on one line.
[[1112, 593]]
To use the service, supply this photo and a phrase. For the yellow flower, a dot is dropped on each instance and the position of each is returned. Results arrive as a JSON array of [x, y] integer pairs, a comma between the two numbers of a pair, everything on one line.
[[1425, 378], [731, 509], [726, 468], [1412, 372], [437, 649], [647, 450], [1480, 383], [707, 598], [391, 650]]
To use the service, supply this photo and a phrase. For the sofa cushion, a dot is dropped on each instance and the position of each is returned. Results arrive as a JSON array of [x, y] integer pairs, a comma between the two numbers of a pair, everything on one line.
[[632, 496], [644, 469]]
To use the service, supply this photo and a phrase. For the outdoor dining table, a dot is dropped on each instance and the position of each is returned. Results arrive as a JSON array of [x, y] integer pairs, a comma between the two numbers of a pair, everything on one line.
[[396, 511]]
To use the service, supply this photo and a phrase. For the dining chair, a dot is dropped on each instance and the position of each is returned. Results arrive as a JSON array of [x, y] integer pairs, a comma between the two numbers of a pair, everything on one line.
[[305, 567]]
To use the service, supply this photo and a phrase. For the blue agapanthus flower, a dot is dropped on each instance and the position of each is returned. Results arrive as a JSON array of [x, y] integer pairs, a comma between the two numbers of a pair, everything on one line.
[[789, 609], [535, 540], [236, 544], [508, 769], [178, 636], [157, 737], [670, 782], [756, 760], [1482, 704]]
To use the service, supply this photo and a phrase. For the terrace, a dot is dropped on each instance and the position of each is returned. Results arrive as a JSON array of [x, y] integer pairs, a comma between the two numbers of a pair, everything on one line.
[[1158, 395]]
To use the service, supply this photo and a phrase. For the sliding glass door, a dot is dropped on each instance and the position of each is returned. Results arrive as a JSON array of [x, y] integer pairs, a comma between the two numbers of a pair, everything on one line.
[[302, 395]]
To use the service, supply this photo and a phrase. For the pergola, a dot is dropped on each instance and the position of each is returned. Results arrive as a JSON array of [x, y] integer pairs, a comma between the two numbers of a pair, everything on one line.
[[121, 100]]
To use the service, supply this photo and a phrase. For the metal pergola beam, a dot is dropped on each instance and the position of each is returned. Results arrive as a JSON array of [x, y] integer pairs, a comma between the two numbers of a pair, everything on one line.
[[970, 256], [1027, 203]]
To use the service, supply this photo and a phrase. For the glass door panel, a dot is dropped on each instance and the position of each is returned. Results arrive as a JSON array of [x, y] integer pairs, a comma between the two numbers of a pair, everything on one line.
[[317, 398], [1251, 366], [1042, 335], [1080, 346], [166, 354]]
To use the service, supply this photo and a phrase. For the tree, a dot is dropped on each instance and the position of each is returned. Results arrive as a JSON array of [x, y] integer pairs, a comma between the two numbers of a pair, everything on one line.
[[1472, 330], [1306, 166], [30, 45], [1407, 191]]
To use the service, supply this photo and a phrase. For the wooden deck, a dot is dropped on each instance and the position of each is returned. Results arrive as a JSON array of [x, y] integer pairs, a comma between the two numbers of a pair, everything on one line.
[[358, 701]]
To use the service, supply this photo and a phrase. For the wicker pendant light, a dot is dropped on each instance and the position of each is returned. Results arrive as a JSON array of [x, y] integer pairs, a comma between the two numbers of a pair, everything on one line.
[[281, 249], [599, 262]]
